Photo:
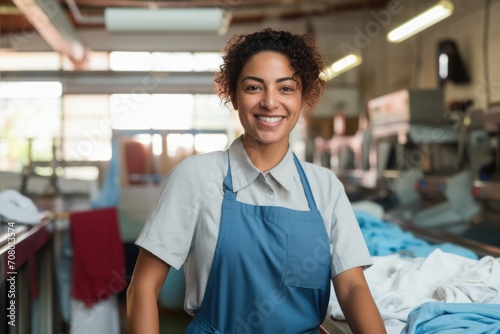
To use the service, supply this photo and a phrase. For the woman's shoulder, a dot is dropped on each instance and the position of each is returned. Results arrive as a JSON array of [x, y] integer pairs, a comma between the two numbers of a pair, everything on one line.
[[214, 157], [323, 181], [317, 171], [203, 163]]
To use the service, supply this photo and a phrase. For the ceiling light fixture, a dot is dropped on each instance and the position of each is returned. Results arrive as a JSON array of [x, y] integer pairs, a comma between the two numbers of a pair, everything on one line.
[[340, 66], [167, 19], [424, 20]]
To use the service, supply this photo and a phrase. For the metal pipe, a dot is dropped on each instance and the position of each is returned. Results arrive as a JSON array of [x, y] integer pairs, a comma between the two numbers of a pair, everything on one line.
[[77, 15]]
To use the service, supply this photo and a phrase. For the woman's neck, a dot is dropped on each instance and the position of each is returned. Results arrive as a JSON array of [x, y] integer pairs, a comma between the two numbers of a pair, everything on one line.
[[264, 156]]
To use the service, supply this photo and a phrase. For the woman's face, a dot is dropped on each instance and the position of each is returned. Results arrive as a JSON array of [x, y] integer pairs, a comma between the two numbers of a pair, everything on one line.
[[268, 100]]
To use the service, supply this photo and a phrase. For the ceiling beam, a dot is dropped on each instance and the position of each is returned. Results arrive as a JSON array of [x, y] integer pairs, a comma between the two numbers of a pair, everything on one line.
[[121, 82]]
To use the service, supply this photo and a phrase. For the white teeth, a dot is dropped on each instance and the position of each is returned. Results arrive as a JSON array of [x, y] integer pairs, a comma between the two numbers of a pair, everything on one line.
[[270, 119]]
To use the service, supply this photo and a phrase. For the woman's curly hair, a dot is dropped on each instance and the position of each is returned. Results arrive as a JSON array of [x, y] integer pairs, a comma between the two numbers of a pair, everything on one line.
[[299, 49]]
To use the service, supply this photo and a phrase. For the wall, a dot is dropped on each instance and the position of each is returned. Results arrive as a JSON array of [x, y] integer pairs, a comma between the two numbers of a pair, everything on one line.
[[467, 29], [412, 63], [385, 68], [389, 67]]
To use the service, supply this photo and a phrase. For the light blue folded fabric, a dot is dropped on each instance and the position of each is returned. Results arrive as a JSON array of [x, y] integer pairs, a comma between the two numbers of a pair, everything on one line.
[[453, 318], [385, 238]]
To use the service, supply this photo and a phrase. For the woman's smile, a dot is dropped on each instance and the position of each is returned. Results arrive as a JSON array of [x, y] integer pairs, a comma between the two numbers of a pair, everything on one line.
[[268, 119]]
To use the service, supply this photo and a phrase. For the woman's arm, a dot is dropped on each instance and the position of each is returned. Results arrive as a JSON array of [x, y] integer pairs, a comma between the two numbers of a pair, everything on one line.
[[142, 294], [357, 303]]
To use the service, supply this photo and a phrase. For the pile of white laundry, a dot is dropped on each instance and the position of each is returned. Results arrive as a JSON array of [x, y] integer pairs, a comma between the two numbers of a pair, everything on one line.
[[399, 284]]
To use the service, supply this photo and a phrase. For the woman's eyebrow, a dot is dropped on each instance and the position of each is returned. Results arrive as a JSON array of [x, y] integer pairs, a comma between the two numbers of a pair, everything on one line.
[[262, 80]]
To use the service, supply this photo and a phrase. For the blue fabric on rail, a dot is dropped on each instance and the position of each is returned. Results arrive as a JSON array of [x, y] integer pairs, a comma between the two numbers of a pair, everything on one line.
[[110, 191], [385, 238], [452, 318]]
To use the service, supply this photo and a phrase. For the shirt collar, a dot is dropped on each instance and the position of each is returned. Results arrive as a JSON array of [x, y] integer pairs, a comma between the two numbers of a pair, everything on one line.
[[285, 171], [243, 172]]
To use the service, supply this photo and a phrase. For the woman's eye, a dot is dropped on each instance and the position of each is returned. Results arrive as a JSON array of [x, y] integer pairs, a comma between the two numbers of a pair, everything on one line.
[[253, 88], [287, 89]]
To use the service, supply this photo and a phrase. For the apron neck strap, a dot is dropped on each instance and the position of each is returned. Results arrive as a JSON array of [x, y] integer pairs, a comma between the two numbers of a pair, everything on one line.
[[305, 184]]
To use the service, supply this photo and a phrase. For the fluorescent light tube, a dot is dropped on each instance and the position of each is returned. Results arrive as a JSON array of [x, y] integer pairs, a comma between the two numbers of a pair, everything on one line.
[[431, 16], [340, 66], [167, 19]]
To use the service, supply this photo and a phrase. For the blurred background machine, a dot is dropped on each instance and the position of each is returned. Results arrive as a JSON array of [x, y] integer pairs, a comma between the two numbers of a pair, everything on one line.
[[443, 170], [480, 232]]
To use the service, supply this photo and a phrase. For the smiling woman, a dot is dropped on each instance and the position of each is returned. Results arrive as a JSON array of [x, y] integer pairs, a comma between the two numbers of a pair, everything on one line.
[[300, 52], [260, 234]]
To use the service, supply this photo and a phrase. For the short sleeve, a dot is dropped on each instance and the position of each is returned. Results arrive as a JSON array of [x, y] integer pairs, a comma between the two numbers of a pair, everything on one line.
[[349, 248], [169, 229]]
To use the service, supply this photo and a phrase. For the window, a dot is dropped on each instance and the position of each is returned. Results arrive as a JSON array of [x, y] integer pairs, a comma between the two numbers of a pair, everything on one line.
[[165, 61], [26, 61], [29, 113], [86, 128]]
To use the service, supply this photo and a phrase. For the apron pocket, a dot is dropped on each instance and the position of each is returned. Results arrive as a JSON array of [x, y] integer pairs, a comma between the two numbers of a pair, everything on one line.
[[308, 261]]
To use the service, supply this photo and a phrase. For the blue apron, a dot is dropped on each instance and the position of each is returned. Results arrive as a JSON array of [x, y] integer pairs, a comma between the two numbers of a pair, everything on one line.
[[271, 269]]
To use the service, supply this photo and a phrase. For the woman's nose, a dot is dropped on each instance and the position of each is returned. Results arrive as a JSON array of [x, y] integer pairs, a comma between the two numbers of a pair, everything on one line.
[[269, 100]]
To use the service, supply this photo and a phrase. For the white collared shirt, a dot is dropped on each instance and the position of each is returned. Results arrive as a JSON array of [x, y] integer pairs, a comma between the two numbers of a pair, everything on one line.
[[183, 227]]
